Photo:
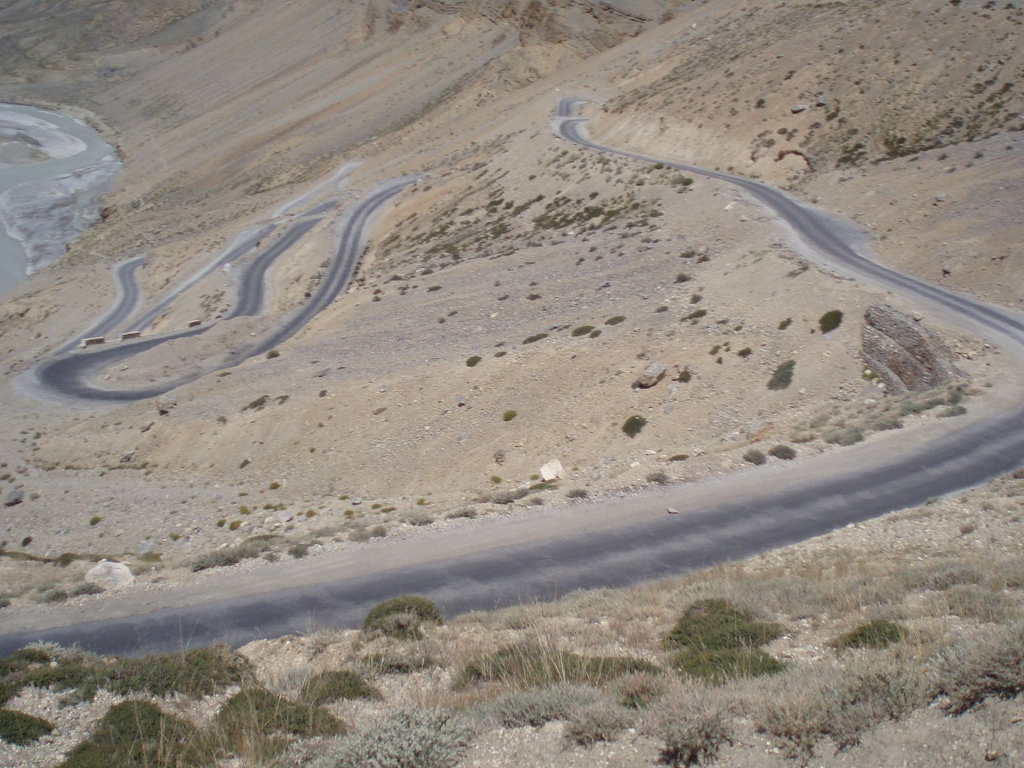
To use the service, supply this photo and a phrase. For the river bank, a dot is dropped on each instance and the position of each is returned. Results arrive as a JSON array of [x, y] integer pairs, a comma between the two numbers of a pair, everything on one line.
[[54, 169]]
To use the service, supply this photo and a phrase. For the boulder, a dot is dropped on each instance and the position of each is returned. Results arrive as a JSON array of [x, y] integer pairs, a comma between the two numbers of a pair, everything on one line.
[[552, 470], [110, 575], [654, 373], [14, 497], [906, 356]]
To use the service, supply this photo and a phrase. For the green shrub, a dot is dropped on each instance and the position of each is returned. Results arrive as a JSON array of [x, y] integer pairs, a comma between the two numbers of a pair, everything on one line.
[[535, 337], [725, 664], [466, 512], [19, 728], [409, 738], [508, 415], [615, 320], [875, 634], [95, 520], [716, 641], [395, 663], [783, 376], [582, 330], [715, 624], [258, 711], [196, 673], [755, 457], [472, 361], [696, 314], [682, 277], [784, 452], [745, 352], [785, 323], [258, 403], [633, 425], [135, 733], [830, 320], [577, 493], [421, 608], [658, 477], [335, 685]]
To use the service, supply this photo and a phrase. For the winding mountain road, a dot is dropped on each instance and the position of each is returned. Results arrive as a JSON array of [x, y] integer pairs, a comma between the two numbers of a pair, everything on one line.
[[71, 375], [606, 543]]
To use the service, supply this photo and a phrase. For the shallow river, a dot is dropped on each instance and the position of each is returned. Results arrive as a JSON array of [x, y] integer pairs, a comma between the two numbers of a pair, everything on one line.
[[53, 171]]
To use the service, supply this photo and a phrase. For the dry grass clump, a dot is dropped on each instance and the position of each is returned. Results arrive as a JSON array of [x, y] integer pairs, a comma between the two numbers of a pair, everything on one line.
[[529, 665]]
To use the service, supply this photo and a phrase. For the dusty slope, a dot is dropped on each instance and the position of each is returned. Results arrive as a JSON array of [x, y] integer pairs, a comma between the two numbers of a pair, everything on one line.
[[365, 403]]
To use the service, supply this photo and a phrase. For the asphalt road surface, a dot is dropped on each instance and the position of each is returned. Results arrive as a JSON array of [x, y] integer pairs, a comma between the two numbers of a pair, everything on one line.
[[71, 375], [482, 568]]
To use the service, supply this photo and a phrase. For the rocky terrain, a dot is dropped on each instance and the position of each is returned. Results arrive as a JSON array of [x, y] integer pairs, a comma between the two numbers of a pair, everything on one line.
[[511, 301]]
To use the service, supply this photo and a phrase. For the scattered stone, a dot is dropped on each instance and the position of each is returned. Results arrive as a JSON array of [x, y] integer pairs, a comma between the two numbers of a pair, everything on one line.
[[127, 457], [164, 407], [672, 510], [146, 427], [499, 457], [110, 575], [552, 470], [14, 497], [796, 109], [654, 373], [145, 547]]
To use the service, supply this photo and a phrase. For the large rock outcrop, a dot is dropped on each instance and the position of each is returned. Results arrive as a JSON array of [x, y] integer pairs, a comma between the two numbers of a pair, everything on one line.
[[904, 354]]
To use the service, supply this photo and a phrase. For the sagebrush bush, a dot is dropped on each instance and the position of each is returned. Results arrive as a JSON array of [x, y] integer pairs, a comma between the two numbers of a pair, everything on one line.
[[755, 457], [692, 732], [785, 452], [247, 550], [801, 709], [658, 477], [845, 436], [990, 664], [598, 722], [409, 738], [410, 608], [537, 706]]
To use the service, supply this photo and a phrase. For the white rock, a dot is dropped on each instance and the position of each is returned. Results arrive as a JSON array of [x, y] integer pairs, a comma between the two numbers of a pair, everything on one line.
[[110, 575], [552, 470]]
